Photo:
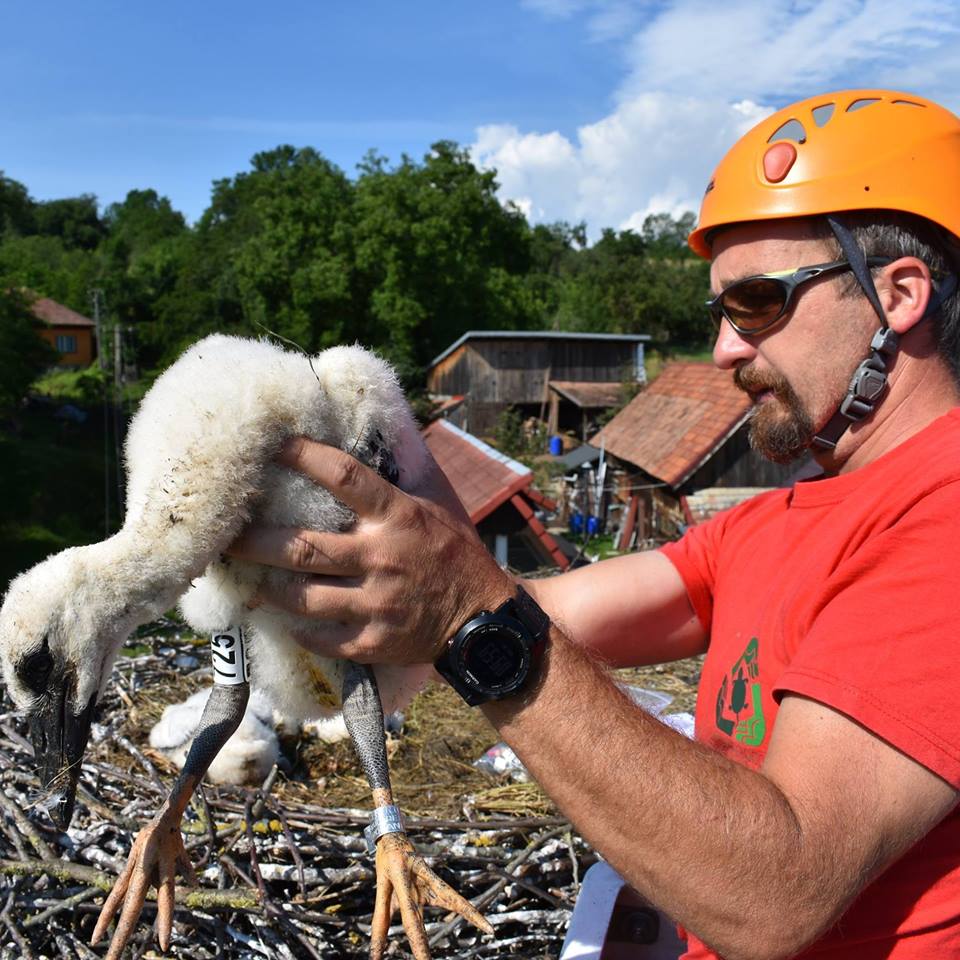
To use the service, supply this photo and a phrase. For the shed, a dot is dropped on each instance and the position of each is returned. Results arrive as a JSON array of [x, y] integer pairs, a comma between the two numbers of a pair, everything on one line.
[[687, 431], [497, 369], [71, 334], [499, 497]]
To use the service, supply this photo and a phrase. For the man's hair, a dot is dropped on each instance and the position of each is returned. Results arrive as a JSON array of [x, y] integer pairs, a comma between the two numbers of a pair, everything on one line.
[[884, 233]]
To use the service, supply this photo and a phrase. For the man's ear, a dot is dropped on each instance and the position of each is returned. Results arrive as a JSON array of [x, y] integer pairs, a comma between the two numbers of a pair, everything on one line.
[[905, 290]]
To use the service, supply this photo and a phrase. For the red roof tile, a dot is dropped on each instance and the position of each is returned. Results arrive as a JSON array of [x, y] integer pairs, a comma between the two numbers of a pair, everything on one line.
[[676, 424], [57, 315], [483, 477]]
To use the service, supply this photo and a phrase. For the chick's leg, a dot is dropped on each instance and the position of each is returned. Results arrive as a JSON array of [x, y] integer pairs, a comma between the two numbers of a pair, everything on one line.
[[402, 875], [158, 855]]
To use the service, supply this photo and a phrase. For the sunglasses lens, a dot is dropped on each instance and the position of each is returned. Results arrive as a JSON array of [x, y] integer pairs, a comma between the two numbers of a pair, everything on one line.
[[754, 303]]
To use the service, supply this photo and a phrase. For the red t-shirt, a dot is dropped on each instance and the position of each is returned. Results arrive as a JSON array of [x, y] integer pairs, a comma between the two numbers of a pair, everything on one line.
[[845, 590]]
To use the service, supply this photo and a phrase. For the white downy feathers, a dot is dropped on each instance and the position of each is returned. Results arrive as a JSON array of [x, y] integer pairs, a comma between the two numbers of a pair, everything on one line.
[[200, 460]]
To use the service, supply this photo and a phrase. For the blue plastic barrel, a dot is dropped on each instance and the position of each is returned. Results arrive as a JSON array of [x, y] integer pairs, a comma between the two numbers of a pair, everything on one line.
[[556, 446], [576, 522], [593, 525]]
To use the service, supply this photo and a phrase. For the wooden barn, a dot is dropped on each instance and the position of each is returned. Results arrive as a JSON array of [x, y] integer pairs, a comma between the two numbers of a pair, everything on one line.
[[545, 374], [72, 335]]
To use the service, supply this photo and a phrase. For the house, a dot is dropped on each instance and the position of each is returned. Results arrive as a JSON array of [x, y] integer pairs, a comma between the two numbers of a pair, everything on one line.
[[499, 497], [71, 334], [540, 373], [685, 433]]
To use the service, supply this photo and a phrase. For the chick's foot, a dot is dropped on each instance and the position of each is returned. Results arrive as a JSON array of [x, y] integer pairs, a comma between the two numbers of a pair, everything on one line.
[[156, 858], [404, 880]]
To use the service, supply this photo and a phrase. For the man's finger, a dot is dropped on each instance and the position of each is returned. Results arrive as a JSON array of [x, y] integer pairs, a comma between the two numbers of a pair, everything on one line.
[[303, 551], [332, 599], [350, 481]]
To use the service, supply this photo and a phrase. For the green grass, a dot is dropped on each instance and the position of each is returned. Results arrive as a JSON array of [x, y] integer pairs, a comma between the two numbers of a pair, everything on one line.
[[599, 545]]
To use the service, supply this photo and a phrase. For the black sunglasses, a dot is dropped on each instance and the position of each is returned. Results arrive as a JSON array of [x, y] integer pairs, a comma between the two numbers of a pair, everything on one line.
[[755, 304]]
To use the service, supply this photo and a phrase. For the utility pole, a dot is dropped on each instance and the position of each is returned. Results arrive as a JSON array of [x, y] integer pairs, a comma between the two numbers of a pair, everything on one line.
[[118, 379], [96, 295]]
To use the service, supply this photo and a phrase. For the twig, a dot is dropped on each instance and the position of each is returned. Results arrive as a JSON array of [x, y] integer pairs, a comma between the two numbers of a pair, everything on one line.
[[488, 895], [63, 870], [150, 769], [26, 827], [14, 930]]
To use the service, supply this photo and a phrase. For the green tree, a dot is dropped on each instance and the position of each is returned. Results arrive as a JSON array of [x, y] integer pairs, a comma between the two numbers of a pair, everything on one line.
[[646, 282], [74, 220], [141, 255], [16, 208], [23, 353], [272, 251], [438, 254], [46, 267]]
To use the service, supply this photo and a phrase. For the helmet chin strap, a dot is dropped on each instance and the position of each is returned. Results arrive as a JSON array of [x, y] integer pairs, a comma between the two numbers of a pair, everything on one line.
[[869, 381]]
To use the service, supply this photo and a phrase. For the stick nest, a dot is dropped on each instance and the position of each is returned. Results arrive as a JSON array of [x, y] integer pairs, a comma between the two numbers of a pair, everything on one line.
[[283, 869]]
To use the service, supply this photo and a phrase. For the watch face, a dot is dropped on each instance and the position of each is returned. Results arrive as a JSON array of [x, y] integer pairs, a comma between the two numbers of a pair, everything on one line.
[[495, 658]]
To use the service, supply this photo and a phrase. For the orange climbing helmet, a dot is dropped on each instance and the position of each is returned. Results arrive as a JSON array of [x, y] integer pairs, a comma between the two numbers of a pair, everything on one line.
[[852, 150]]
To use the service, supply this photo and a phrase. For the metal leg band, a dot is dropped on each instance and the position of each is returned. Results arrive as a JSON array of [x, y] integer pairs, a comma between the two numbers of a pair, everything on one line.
[[386, 819]]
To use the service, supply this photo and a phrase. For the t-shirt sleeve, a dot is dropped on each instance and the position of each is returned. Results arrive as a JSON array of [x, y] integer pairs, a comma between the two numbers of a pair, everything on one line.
[[695, 556], [883, 648]]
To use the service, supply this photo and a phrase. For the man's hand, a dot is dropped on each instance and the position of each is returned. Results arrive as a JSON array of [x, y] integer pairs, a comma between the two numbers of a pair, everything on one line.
[[399, 583]]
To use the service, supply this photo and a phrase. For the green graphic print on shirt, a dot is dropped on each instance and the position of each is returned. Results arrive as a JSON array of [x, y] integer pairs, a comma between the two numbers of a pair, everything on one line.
[[740, 701]]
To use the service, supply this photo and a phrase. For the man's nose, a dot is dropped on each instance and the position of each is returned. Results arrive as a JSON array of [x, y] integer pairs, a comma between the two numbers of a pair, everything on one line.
[[731, 348]]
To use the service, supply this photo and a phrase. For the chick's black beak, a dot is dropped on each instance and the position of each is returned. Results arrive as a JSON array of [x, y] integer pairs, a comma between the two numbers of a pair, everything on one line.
[[59, 730]]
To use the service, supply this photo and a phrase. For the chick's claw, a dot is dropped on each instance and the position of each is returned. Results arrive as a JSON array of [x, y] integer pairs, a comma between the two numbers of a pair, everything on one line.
[[157, 856], [404, 880]]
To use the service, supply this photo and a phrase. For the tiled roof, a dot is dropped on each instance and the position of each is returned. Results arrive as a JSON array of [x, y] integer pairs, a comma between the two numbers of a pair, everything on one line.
[[677, 423], [483, 477], [589, 394], [57, 315]]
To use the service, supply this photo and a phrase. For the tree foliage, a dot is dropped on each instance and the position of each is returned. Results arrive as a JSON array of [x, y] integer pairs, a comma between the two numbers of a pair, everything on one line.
[[23, 353], [404, 258]]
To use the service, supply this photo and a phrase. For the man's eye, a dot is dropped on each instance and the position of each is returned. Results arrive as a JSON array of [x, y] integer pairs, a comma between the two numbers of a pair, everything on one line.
[[35, 669]]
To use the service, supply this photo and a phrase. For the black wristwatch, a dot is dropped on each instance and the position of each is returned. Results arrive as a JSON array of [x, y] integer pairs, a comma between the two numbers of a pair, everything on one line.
[[494, 655]]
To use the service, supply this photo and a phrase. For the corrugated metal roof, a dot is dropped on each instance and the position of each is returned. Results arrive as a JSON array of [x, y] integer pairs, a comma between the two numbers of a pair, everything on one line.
[[536, 335], [678, 422]]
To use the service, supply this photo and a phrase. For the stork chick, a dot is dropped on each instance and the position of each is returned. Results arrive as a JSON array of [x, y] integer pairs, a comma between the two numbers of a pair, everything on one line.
[[200, 460]]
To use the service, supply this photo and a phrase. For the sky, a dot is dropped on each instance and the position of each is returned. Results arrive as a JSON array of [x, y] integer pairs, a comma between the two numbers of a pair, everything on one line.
[[601, 111]]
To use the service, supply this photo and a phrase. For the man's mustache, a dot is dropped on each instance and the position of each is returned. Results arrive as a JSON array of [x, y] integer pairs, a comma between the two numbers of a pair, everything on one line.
[[750, 380]]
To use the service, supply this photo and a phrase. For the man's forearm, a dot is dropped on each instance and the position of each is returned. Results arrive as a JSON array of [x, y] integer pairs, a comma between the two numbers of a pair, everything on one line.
[[714, 844]]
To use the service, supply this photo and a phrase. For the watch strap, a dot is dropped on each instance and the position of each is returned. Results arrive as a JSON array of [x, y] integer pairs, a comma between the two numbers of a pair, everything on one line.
[[530, 614]]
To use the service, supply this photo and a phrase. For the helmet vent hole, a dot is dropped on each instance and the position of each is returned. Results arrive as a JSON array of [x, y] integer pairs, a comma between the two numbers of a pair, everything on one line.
[[791, 130], [862, 102], [823, 113], [908, 103]]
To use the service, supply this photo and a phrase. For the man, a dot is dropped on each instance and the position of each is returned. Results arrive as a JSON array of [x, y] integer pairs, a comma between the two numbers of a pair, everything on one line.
[[823, 782]]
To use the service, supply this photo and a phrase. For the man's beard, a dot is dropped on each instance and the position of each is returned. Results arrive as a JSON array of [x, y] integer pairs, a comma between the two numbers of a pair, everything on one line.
[[780, 427]]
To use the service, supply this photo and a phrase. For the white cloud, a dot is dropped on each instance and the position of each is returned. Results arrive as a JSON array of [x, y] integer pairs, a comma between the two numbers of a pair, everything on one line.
[[698, 74], [654, 153], [743, 48]]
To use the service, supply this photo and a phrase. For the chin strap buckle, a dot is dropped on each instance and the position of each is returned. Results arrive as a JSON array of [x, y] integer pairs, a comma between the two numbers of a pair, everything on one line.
[[867, 385], [385, 819], [870, 378]]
